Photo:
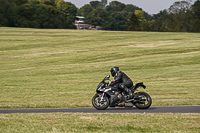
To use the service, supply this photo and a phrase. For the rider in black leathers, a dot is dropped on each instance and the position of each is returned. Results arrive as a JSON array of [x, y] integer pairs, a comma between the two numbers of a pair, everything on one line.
[[121, 80]]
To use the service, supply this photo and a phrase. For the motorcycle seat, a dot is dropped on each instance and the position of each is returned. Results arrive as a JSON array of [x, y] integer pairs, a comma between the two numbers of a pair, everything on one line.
[[138, 84]]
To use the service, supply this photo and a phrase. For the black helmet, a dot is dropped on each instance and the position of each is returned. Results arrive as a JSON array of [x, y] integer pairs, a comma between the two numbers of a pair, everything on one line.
[[114, 70]]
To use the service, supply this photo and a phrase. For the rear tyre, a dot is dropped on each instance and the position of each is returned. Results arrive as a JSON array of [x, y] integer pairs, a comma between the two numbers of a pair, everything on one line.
[[100, 103], [145, 101]]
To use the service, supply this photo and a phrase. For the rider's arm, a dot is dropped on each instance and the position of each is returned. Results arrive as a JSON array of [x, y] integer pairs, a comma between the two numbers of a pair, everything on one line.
[[118, 77]]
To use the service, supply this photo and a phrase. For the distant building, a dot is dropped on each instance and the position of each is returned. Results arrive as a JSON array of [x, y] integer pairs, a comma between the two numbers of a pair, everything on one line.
[[81, 24]]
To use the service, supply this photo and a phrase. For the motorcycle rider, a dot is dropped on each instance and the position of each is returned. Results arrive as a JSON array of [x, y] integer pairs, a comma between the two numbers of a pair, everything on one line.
[[121, 80]]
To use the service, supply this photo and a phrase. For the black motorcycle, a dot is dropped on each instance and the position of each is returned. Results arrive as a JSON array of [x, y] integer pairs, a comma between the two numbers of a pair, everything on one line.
[[106, 97]]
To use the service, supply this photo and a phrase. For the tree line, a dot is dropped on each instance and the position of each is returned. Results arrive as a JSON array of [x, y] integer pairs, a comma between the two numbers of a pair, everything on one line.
[[182, 16], [37, 13]]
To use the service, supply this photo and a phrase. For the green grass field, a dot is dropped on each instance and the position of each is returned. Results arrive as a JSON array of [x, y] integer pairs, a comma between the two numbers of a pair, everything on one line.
[[54, 68], [105, 123], [61, 68]]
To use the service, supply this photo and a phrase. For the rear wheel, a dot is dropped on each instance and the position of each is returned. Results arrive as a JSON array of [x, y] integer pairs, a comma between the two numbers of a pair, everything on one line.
[[144, 100], [100, 102]]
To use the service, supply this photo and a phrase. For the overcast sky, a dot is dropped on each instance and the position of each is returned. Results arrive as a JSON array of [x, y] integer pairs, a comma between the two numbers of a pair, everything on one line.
[[149, 6]]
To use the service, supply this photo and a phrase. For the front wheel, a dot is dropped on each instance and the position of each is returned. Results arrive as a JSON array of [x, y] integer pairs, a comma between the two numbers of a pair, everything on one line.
[[144, 100], [100, 102]]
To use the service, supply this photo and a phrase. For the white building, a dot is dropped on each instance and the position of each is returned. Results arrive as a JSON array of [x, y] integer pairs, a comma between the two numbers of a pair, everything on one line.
[[81, 24]]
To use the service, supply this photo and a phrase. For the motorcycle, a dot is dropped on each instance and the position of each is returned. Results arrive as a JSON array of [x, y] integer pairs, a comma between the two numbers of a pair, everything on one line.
[[106, 97]]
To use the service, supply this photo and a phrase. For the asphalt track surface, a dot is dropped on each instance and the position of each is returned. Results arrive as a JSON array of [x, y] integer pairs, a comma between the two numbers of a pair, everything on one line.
[[161, 109]]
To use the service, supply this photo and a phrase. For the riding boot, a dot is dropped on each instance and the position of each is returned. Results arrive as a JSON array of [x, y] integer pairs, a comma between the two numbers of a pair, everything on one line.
[[129, 92]]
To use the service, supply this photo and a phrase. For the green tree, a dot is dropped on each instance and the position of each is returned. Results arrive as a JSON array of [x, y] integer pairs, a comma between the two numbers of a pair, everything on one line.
[[142, 20], [115, 6], [160, 21], [131, 8], [95, 4], [37, 13], [120, 19], [86, 10], [67, 12], [45, 15], [26, 12], [104, 3], [47, 2], [118, 15], [132, 23], [20, 2], [99, 16], [110, 23], [196, 17], [8, 13], [140, 15], [180, 14]]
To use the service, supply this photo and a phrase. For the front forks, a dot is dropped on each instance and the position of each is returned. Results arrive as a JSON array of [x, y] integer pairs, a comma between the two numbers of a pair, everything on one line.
[[102, 96]]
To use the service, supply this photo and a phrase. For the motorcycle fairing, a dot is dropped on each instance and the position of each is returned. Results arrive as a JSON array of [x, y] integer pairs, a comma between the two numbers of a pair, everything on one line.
[[113, 97], [109, 92]]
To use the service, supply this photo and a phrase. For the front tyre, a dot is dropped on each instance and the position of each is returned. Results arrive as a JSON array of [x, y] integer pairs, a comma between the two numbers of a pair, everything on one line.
[[144, 102], [100, 102]]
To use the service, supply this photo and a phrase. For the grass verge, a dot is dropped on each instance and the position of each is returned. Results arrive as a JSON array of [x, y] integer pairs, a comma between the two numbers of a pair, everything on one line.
[[78, 122]]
